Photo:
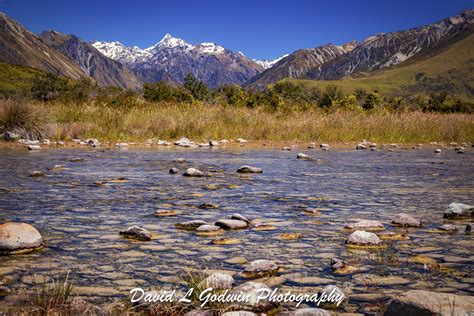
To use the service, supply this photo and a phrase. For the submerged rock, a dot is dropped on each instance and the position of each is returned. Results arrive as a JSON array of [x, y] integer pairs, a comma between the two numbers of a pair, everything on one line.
[[418, 302], [190, 225], [180, 160], [193, 172], [218, 281], [259, 268], [361, 146], [206, 206], [231, 224], [93, 142], [136, 232], [363, 238], [324, 146], [213, 143], [335, 297], [365, 225], [405, 220], [249, 169], [16, 238], [437, 151], [448, 228], [458, 211]]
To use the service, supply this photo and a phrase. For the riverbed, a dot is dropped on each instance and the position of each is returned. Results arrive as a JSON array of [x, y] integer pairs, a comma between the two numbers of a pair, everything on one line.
[[80, 205]]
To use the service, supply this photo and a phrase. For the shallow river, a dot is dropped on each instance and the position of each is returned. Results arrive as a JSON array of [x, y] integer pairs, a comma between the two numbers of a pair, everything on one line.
[[80, 221]]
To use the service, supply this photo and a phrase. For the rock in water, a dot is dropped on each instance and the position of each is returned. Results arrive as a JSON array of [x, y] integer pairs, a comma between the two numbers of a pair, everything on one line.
[[193, 172], [173, 171], [249, 169], [231, 224], [213, 143], [93, 142], [458, 210], [252, 291], [218, 281], [405, 220], [136, 232], [10, 136], [335, 297], [303, 156], [259, 268], [418, 302], [240, 218], [36, 174], [18, 238], [363, 238], [209, 230], [437, 151], [34, 147], [366, 225], [190, 225]]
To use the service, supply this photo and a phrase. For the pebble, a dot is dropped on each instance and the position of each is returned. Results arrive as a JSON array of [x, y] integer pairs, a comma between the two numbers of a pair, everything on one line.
[[36, 174]]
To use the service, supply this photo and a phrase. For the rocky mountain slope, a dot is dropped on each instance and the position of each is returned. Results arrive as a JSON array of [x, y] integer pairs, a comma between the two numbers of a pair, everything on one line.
[[172, 59], [18, 46], [298, 64], [105, 71], [376, 52]]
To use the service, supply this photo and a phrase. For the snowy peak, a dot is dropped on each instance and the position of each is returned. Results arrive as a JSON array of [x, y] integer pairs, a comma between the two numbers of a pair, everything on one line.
[[268, 63], [210, 48], [121, 53], [168, 41]]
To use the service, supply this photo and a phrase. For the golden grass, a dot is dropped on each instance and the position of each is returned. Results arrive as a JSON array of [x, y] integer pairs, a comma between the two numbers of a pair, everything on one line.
[[202, 122]]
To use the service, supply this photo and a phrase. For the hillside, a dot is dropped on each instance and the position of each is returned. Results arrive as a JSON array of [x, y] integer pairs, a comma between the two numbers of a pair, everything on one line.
[[450, 69], [105, 71], [16, 79], [21, 47]]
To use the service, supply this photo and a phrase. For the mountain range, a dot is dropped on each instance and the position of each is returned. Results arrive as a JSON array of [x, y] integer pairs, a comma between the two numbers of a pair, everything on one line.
[[171, 59]]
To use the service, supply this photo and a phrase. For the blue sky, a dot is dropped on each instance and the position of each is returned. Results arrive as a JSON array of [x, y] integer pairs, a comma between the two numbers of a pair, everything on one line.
[[258, 28]]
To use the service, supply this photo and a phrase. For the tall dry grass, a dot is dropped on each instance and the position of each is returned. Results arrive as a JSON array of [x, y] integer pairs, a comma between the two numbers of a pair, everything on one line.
[[203, 122]]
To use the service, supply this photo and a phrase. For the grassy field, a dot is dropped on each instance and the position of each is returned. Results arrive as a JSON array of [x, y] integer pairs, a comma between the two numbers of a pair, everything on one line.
[[451, 70], [203, 122]]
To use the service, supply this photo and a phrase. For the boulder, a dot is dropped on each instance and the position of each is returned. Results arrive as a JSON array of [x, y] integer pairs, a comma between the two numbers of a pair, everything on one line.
[[365, 225], [361, 146], [213, 143], [363, 238], [231, 224], [458, 210], [218, 281], [18, 238], [324, 146], [241, 140], [193, 172], [10, 136], [93, 142], [303, 156], [437, 151], [190, 225], [136, 232], [174, 171], [121, 145], [421, 303], [259, 268], [405, 220], [180, 160], [249, 169], [34, 147]]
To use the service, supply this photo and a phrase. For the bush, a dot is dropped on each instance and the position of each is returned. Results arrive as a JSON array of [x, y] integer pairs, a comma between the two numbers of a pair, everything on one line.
[[162, 91], [196, 87], [24, 119]]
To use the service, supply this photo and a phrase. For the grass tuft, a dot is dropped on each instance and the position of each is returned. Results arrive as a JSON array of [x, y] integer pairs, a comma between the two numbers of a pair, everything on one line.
[[23, 118]]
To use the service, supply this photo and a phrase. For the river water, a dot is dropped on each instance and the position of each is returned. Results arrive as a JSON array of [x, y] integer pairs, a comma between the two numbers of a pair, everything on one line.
[[80, 220]]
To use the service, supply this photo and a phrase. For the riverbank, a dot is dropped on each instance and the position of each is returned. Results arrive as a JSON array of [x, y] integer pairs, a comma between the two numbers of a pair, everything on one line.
[[204, 122]]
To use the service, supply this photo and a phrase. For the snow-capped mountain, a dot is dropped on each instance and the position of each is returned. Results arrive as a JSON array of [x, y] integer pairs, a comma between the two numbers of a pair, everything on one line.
[[173, 58], [121, 53], [268, 63]]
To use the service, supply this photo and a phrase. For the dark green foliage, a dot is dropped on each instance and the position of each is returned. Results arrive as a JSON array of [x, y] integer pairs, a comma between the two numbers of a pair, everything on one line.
[[372, 100], [442, 102], [48, 87], [330, 96], [196, 87], [162, 91]]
